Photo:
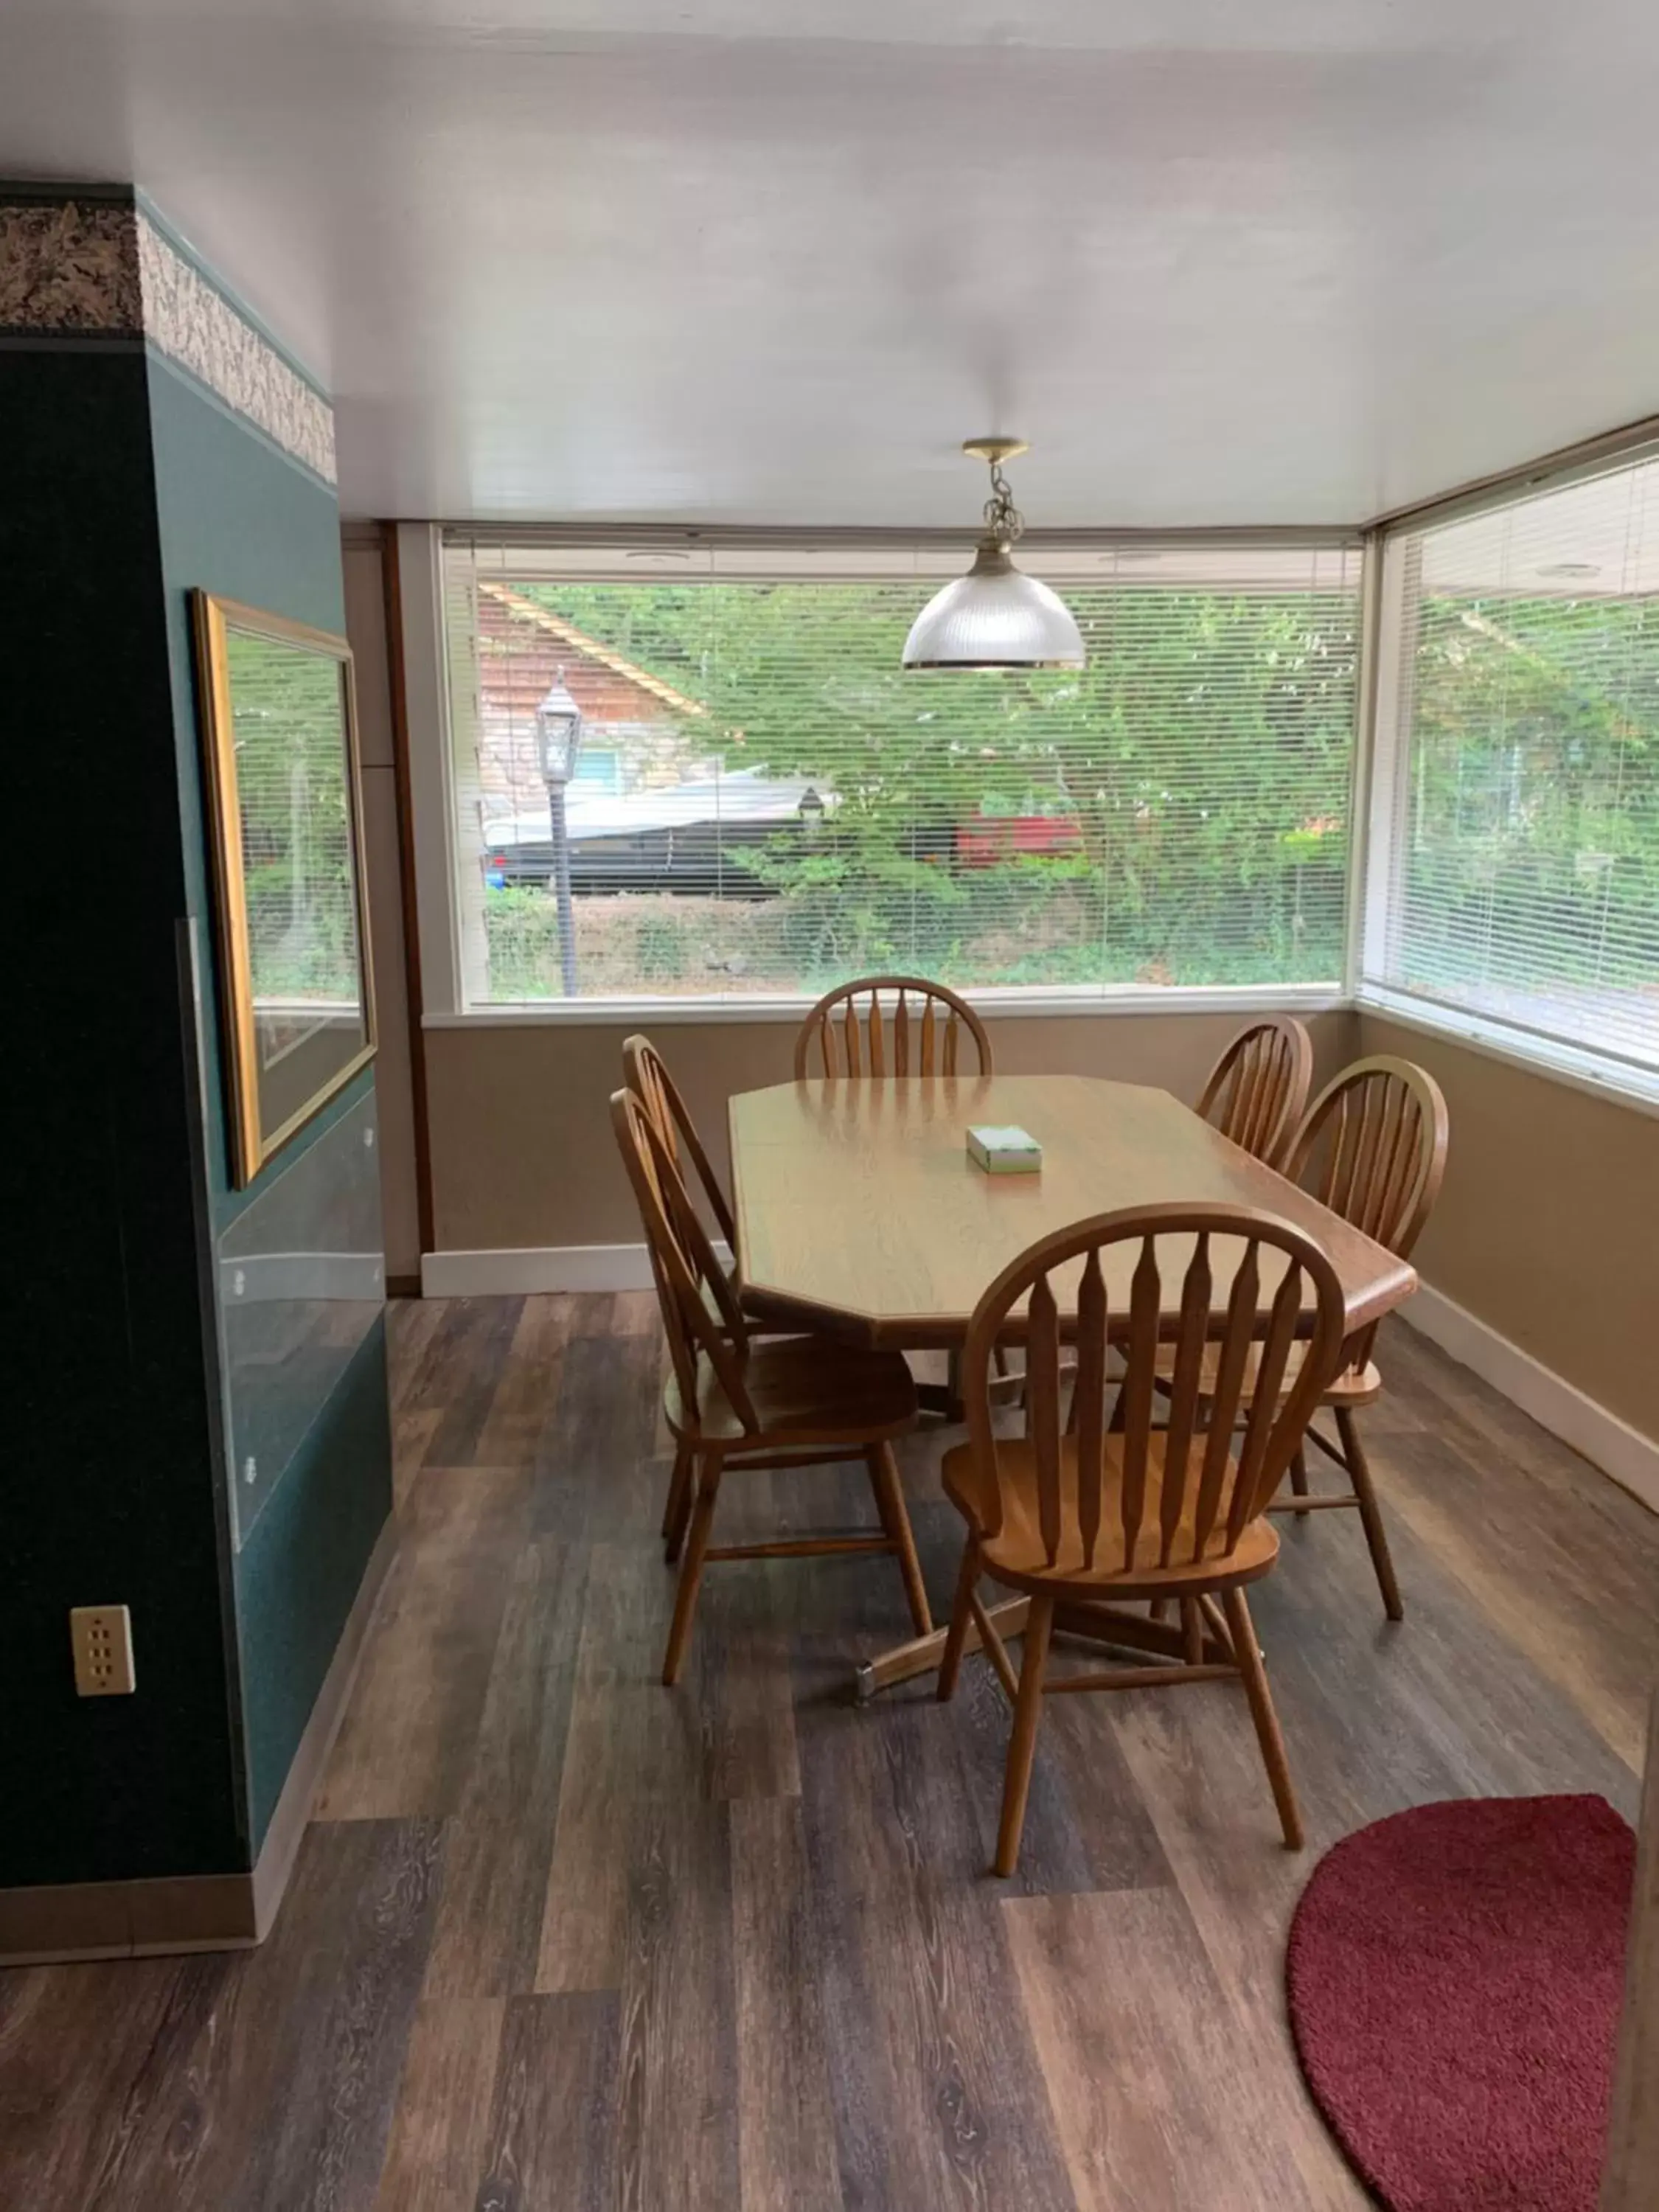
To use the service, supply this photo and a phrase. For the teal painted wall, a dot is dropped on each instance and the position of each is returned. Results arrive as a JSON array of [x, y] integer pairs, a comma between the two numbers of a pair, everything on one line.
[[123, 484], [234, 516], [237, 517], [301, 1565], [108, 1487]]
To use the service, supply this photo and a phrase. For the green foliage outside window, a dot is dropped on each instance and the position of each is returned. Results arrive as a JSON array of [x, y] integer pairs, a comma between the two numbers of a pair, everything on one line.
[[1200, 764], [1531, 855]]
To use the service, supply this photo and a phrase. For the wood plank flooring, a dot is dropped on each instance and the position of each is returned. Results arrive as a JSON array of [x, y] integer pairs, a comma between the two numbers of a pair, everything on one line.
[[560, 1938]]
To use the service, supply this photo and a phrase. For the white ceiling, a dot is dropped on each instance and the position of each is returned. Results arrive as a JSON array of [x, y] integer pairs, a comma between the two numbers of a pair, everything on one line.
[[769, 260]]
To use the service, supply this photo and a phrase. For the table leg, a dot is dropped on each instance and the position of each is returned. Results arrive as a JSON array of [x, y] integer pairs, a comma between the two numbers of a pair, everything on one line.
[[934, 1398], [921, 1655], [944, 1400]]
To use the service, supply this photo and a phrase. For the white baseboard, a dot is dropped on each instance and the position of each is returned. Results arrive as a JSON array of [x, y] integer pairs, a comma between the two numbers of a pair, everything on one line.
[[522, 1271], [1631, 1458]]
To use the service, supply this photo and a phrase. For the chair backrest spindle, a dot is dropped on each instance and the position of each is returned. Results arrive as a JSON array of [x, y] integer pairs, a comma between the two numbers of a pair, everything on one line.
[[1090, 1389], [648, 1076], [1372, 1147], [1187, 1491], [1256, 1091], [848, 1032], [701, 1314]]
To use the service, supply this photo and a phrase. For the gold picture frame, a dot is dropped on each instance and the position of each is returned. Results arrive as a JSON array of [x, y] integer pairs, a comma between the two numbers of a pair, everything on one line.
[[285, 814]]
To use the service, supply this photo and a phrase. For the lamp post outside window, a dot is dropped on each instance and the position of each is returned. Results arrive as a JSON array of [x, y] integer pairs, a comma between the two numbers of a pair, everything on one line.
[[811, 810], [559, 735]]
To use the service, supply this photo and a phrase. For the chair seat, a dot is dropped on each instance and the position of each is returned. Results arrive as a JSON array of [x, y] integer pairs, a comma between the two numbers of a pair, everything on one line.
[[1355, 1385], [805, 1390], [1017, 1554]]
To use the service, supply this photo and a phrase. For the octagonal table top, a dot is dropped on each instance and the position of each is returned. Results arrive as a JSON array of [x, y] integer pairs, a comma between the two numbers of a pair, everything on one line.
[[858, 1210]]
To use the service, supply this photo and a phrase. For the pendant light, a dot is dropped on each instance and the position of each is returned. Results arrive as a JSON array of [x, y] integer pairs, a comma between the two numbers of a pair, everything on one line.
[[994, 616]]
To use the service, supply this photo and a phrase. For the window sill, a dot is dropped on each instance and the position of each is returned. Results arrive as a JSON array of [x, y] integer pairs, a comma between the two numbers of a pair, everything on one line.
[[1617, 1081], [995, 1005]]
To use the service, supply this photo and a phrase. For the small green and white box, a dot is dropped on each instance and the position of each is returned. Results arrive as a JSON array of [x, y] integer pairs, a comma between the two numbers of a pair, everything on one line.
[[1005, 1151]]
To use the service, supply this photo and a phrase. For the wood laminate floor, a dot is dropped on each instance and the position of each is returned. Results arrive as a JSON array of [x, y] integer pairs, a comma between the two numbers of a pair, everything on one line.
[[560, 1938]]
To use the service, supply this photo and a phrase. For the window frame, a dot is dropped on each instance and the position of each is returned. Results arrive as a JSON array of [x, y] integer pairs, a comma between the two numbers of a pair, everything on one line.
[[1383, 757], [451, 1000]]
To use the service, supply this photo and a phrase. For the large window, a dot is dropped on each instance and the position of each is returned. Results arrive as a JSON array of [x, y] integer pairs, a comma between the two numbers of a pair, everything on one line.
[[762, 802], [1514, 880]]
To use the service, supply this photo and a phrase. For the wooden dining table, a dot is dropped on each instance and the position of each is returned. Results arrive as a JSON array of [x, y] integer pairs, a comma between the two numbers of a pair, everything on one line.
[[860, 1213]]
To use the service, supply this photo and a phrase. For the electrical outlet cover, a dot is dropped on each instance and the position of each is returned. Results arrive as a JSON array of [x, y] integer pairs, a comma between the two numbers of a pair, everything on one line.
[[101, 1638]]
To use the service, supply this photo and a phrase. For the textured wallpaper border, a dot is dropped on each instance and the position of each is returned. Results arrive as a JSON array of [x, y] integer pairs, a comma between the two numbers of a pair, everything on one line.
[[91, 267]]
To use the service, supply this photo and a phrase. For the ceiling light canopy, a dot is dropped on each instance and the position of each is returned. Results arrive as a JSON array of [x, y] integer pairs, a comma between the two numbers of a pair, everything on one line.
[[994, 616]]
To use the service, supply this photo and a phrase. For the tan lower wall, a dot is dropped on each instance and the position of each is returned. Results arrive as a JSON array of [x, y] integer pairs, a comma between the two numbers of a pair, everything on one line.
[[1547, 1228], [522, 1152]]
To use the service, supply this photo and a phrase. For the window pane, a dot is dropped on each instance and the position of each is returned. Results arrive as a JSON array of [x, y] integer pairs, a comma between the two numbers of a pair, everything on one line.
[[781, 807], [1523, 853]]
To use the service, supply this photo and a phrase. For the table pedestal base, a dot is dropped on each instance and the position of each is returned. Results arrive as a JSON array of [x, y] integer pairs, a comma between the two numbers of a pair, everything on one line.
[[922, 1655]]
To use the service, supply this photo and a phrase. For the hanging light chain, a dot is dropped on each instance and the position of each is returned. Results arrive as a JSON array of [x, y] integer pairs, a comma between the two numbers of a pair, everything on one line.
[[1002, 519]]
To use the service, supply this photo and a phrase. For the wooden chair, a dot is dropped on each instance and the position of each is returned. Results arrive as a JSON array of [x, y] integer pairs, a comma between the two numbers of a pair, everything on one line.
[[738, 1403], [1256, 1091], [1086, 1521], [1372, 1147], [927, 1022]]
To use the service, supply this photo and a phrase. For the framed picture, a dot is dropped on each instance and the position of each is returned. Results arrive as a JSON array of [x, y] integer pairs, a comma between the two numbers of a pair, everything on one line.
[[285, 810]]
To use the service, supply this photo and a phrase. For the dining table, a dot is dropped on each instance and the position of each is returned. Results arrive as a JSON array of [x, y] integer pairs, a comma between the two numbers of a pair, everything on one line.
[[860, 1214]]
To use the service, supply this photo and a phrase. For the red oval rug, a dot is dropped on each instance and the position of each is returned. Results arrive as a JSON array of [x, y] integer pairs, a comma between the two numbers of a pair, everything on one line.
[[1455, 1976]]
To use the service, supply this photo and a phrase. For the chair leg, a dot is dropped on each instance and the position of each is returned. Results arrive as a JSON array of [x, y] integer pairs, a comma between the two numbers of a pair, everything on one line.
[[677, 1510], [1021, 1748], [685, 1597], [1371, 1513], [1248, 1652], [895, 1520], [1192, 1631], [961, 1612], [1299, 1472], [954, 1408], [999, 1355]]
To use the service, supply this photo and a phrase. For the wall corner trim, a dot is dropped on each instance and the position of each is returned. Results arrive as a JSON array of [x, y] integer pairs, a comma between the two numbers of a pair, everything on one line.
[[1608, 1442], [292, 1812], [49, 1924]]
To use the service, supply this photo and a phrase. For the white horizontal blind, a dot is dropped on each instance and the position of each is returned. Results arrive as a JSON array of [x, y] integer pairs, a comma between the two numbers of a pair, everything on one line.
[[1516, 877], [765, 803]]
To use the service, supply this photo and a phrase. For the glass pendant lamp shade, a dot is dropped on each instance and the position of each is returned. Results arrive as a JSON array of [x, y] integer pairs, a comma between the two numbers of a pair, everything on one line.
[[994, 616]]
